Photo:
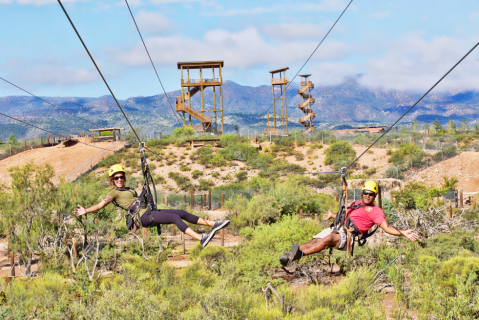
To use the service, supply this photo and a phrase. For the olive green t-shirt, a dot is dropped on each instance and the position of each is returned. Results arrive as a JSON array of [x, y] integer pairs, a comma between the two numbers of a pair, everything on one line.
[[124, 198]]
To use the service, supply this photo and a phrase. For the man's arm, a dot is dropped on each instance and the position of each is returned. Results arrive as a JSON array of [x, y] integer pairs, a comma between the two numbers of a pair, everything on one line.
[[329, 215], [410, 234]]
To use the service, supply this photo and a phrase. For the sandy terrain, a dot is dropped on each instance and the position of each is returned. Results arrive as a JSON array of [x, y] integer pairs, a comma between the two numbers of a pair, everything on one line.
[[463, 167], [67, 161]]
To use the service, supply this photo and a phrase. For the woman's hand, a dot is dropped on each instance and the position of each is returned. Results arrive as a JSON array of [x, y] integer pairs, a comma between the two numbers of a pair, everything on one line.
[[328, 216], [410, 234], [80, 211]]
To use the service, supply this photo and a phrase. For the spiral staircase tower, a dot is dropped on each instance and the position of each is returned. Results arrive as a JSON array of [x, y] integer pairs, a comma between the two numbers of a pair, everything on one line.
[[306, 106]]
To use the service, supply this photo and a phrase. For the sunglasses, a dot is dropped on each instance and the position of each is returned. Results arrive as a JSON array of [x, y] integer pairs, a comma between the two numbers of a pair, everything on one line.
[[119, 177], [372, 194]]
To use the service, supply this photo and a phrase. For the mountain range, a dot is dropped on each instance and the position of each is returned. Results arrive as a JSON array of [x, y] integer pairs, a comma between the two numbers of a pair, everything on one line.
[[348, 102]]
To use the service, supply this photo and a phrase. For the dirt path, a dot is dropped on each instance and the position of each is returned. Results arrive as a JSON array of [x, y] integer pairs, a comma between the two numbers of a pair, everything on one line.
[[67, 161]]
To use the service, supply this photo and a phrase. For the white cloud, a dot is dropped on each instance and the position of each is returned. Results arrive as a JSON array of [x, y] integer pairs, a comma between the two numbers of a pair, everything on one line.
[[6, 1], [328, 74], [326, 5], [203, 2], [287, 31], [46, 2], [50, 71], [154, 22], [384, 14], [242, 49], [474, 15], [416, 64]]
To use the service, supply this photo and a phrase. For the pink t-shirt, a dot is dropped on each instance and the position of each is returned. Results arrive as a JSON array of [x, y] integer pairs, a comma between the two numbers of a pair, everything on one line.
[[366, 217]]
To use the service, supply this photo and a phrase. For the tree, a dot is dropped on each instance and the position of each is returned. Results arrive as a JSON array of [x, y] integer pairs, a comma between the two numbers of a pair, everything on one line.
[[464, 128], [451, 127], [12, 139], [437, 125], [414, 125]]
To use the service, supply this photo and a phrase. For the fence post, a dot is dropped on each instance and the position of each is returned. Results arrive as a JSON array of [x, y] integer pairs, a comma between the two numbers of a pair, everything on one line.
[[12, 263], [337, 197], [209, 199], [222, 238], [10, 148], [201, 202], [222, 200], [192, 200], [162, 202], [48, 139], [301, 213], [380, 200], [166, 199], [449, 212], [461, 198], [184, 243], [474, 202], [456, 198], [174, 230], [145, 233], [205, 202]]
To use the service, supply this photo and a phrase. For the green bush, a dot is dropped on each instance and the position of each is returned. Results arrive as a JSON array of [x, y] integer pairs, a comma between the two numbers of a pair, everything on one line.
[[195, 174], [241, 176], [218, 161], [110, 160], [407, 153], [205, 184], [339, 154], [184, 168], [181, 181]]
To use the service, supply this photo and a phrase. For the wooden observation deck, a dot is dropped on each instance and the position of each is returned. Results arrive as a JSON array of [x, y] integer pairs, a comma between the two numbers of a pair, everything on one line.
[[282, 82], [190, 86], [306, 106]]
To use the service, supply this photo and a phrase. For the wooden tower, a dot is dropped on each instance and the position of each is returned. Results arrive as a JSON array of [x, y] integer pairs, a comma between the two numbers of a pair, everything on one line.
[[190, 86], [306, 106], [281, 81]]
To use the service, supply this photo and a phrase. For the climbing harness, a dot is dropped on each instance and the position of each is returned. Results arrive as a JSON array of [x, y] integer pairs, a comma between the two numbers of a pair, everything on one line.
[[343, 223], [145, 200]]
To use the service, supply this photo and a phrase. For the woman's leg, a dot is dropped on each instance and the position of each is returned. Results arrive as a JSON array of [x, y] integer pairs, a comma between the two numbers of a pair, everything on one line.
[[163, 217], [191, 218]]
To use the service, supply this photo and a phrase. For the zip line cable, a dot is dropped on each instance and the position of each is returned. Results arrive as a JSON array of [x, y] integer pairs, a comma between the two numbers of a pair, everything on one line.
[[49, 103], [55, 134], [98, 69], [167, 97], [389, 129], [304, 64]]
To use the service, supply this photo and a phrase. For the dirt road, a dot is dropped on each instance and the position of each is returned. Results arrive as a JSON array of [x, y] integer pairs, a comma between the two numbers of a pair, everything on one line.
[[67, 161]]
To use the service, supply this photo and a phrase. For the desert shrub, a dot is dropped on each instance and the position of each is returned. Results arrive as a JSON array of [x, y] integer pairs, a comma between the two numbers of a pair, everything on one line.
[[155, 142], [205, 184], [266, 243], [218, 161], [131, 182], [195, 174], [181, 181], [241, 176], [215, 174], [131, 163], [110, 160], [339, 154], [412, 196], [184, 168], [407, 153]]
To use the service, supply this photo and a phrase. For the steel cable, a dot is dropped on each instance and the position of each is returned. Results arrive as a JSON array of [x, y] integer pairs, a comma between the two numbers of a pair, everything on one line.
[[98, 69], [49, 102], [167, 97], [405, 113]]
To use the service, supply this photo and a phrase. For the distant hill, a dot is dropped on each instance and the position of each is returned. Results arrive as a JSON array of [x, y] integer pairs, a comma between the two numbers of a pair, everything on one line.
[[346, 102]]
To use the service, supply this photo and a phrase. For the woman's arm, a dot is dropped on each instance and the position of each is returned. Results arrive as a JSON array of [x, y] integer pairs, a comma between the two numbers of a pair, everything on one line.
[[81, 211], [410, 234]]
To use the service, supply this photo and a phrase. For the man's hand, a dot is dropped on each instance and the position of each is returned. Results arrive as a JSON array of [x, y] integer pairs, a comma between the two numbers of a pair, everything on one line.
[[328, 216], [80, 211], [410, 234]]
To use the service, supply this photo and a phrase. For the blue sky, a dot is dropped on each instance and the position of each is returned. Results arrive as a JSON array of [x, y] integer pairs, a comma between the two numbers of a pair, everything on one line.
[[403, 45]]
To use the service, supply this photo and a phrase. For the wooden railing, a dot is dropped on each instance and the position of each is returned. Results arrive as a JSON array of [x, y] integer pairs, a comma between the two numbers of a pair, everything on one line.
[[279, 80], [201, 80], [307, 117], [195, 114], [305, 103], [304, 83]]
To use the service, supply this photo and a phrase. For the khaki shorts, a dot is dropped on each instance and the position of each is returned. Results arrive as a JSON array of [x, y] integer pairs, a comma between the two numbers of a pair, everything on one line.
[[342, 234]]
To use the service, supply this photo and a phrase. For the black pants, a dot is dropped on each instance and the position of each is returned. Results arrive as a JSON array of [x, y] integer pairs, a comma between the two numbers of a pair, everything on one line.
[[169, 216]]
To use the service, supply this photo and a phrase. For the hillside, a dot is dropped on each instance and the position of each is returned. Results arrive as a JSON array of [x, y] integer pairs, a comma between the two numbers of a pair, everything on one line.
[[346, 102]]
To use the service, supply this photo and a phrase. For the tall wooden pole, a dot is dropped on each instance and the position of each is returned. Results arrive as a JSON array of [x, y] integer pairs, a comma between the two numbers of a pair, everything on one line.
[[221, 101], [209, 199], [380, 199], [192, 200]]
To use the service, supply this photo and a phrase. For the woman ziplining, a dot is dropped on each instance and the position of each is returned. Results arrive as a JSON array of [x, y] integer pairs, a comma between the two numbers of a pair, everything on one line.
[[141, 214]]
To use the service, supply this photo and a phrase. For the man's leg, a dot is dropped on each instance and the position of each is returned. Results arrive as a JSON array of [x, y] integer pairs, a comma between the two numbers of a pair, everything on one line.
[[313, 246]]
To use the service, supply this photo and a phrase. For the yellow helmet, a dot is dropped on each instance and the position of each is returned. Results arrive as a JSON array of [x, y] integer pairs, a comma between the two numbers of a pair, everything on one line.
[[114, 169], [371, 186]]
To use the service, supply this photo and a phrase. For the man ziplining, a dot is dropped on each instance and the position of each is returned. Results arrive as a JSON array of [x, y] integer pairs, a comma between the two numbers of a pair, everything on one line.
[[361, 216]]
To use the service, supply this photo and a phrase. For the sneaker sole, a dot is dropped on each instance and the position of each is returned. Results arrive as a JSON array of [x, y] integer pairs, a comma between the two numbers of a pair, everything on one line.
[[294, 251], [221, 226], [208, 239], [284, 260]]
